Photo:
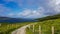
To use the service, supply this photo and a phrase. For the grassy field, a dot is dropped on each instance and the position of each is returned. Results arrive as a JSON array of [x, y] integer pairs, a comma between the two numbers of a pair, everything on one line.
[[46, 24], [7, 28], [45, 27]]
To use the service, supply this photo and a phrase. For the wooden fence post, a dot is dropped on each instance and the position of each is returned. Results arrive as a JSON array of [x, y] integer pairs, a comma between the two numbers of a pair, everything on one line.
[[33, 28], [52, 29], [29, 27], [40, 32], [0, 24]]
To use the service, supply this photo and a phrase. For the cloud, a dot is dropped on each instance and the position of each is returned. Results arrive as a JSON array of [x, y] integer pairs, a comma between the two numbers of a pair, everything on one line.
[[28, 13], [55, 5], [44, 8], [10, 14], [25, 12]]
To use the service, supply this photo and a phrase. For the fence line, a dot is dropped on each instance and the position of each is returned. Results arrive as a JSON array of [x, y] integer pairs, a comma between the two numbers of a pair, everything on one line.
[[40, 29]]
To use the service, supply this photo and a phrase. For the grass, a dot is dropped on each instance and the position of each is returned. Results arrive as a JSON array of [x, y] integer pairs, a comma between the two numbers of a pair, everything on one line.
[[7, 28], [46, 27]]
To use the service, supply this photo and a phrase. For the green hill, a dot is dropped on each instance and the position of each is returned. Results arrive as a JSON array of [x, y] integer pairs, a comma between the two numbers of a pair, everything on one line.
[[57, 16], [46, 24]]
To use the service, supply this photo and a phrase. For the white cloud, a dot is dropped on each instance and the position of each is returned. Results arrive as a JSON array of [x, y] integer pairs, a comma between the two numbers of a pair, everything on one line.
[[28, 13], [25, 12], [55, 4], [10, 14], [32, 13]]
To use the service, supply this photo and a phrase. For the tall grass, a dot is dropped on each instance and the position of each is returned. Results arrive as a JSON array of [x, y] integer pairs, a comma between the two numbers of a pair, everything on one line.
[[46, 27], [7, 28]]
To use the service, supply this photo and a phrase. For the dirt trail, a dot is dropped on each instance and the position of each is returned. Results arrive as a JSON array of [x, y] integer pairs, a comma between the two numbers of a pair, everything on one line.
[[21, 30]]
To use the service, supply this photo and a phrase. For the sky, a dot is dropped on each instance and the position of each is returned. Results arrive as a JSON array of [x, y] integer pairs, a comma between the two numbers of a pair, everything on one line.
[[29, 8]]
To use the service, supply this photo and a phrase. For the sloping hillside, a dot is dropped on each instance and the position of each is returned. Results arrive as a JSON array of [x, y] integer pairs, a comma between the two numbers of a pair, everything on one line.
[[46, 24], [49, 17]]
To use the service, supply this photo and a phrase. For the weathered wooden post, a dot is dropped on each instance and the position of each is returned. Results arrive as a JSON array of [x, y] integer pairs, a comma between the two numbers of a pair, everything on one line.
[[29, 27], [52, 29], [0, 24], [40, 32], [33, 28]]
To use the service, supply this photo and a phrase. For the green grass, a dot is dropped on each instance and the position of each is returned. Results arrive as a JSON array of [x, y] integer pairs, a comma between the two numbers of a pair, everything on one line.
[[46, 27], [7, 28], [45, 23]]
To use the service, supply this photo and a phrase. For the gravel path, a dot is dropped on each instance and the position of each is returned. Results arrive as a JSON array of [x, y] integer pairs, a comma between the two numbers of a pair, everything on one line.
[[21, 30]]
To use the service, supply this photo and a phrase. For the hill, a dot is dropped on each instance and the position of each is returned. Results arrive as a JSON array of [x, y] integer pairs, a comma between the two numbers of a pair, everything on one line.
[[46, 24], [57, 16], [14, 20]]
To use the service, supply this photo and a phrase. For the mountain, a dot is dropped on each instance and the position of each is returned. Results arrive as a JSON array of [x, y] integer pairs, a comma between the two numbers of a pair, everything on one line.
[[49, 17], [8, 19]]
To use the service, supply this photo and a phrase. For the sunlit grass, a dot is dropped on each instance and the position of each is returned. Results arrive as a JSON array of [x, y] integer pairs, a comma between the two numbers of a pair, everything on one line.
[[46, 27], [7, 28]]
